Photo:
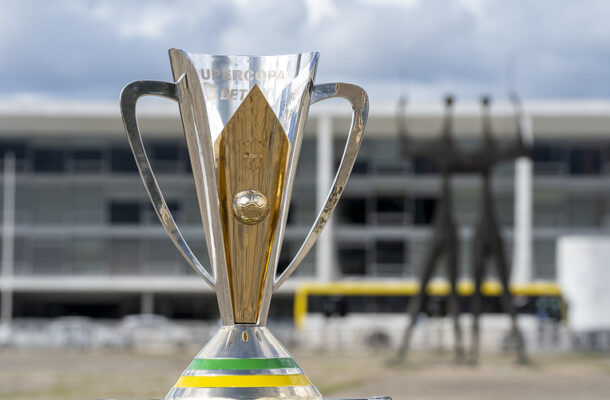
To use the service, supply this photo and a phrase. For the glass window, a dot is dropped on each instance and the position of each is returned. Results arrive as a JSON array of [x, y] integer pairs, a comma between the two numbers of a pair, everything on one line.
[[422, 166], [167, 151], [86, 204], [352, 258], [544, 259], [87, 255], [361, 167], [286, 255], [49, 205], [289, 249], [424, 208], [22, 256], [123, 256], [548, 208], [585, 161], [48, 160], [191, 209], [165, 157], [549, 158], [87, 160], [390, 210], [390, 204], [121, 160], [125, 212], [585, 212], [390, 251], [352, 210], [47, 257], [161, 257]]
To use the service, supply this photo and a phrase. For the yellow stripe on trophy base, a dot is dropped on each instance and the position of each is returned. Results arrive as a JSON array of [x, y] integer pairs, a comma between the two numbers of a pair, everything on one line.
[[242, 381]]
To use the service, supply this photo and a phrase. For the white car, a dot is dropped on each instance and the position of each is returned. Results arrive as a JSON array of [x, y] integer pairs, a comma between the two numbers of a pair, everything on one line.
[[151, 331]]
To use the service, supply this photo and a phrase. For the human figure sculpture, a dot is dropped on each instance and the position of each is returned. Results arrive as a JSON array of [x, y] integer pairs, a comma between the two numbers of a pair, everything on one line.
[[487, 242], [444, 155]]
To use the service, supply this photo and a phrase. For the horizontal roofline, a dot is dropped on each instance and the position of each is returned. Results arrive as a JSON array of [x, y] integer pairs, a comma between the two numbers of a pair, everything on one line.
[[166, 108]]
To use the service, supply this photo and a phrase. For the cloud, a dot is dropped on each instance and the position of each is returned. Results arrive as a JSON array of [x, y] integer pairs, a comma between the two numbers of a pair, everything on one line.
[[90, 49]]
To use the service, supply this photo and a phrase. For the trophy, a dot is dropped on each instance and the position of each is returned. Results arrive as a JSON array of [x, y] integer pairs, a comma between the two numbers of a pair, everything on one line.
[[243, 119]]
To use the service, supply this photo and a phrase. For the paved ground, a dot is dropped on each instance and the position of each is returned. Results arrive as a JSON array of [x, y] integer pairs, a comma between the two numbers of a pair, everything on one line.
[[121, 375]]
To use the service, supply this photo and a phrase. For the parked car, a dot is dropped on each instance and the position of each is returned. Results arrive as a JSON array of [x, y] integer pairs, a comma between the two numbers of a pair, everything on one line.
[[151, 332], [72, 333]]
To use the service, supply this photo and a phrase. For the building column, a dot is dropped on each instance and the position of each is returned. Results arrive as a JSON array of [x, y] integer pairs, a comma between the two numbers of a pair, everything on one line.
[[324, 179], [522, 250], [8, 239], [147, 303]]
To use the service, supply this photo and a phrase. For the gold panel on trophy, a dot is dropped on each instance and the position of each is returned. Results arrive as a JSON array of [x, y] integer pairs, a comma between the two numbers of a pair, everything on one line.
[[252, 153]]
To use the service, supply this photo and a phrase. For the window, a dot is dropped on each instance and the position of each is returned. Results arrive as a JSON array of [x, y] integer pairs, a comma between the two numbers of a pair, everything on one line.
[[361, 167], [86, 256], [47, 257], [86, 204], [123, 256], [352, 210], [424, 208], [549, 159], [48, 160], [390, 251], [390, 258], [585, 212], [48, 204], [390, 210], [585, 161], [286, 255], [161, 257], [422, 166], [87, 160], [125, 212], [165, 157], [544, 259], [121, 160], [352, 258]]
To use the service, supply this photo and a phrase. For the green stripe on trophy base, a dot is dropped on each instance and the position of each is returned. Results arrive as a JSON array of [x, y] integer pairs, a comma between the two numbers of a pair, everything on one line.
[[242, 363]]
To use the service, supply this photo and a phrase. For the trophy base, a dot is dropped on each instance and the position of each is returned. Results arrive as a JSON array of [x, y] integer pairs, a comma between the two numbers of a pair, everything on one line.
[[244, 362]]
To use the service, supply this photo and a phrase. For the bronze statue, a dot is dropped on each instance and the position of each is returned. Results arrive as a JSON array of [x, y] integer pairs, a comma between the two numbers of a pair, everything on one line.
[[487, 242], [446, 157]]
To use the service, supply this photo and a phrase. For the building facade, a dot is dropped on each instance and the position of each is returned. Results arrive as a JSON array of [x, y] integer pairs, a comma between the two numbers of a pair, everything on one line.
[[87, 241]]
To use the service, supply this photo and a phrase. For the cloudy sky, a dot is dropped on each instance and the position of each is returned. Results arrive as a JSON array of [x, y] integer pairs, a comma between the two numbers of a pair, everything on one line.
[[546, 49]]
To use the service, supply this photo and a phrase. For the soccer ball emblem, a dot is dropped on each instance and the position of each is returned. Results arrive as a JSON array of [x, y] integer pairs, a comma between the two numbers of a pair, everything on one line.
[[250, 207]]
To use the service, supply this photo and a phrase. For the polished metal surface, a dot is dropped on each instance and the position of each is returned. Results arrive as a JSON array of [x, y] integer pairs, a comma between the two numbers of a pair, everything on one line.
[[252, 156], [243, 119], [250, 207], [267, 393], [231, 357], [129, 97], [360, 106], [228, 343]]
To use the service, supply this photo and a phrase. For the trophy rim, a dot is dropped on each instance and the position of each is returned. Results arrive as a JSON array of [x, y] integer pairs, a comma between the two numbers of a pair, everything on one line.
[[313, 53]]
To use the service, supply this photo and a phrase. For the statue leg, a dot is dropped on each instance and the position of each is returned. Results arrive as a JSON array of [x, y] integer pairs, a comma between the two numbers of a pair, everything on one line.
[[507, 298], [476, 304], [418, 303], [454, 301]]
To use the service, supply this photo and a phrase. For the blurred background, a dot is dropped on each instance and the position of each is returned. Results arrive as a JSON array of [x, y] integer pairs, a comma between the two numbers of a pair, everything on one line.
[[92, 287]]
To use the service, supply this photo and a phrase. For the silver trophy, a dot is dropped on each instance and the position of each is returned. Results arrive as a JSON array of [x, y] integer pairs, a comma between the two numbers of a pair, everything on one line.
[[243, 120]]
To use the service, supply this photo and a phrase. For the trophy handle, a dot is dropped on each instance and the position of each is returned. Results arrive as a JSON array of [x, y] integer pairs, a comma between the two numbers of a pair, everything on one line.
[[360, 110], [129, 97]]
